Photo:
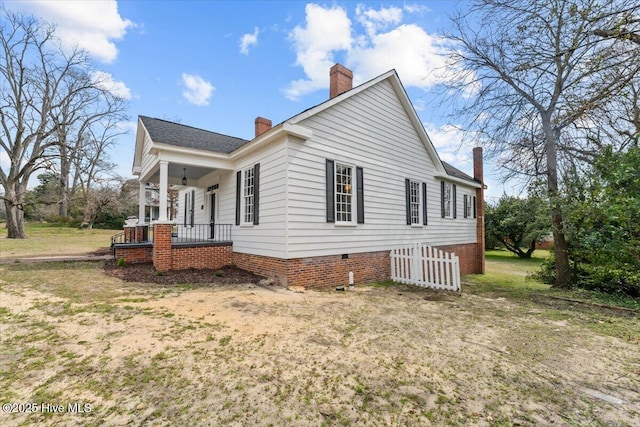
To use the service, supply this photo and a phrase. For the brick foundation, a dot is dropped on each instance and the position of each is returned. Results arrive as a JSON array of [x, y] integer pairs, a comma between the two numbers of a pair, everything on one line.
[[471, 261], [330, 271], [319, 272], [201, 257]]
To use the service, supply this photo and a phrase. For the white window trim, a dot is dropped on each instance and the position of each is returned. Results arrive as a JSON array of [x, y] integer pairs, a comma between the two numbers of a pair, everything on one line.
[[354, 195], [420, 213], [468, 214], [243, 205], [449, 186]]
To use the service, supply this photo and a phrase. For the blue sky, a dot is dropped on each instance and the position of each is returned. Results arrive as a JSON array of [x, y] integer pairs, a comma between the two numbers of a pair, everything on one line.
[[218, 64]]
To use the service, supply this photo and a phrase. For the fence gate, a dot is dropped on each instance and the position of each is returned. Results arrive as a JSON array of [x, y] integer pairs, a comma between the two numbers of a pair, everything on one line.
[[426, 266]]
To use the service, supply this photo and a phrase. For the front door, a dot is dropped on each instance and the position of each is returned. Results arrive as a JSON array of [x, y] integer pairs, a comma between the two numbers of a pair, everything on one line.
[[212, 215]]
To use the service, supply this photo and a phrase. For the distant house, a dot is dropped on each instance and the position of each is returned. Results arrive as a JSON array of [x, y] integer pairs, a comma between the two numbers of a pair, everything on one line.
[[328, 191], [151, 200]]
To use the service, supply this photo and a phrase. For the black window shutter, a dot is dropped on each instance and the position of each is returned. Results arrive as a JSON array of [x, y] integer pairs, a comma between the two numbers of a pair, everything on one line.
[[331, 201], [193, 206], [238, 187], [256, 194], [455, 202], [360, 194], [186, 204], [474, 207], [465, 205], [407, 201], [424, 203], [442, 198]]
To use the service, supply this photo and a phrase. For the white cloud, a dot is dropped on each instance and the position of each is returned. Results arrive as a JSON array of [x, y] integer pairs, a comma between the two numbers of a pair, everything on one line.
[[375, 20], [106, 81], [327, 30], [416, 8], [90, 25], [384, 42], [248, 40], [452, 145], [197, 90], [416, 55]]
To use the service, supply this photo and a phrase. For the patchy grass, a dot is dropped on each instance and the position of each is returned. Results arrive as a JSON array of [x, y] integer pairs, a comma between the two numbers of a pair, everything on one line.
[[156, 354], [48, 239]]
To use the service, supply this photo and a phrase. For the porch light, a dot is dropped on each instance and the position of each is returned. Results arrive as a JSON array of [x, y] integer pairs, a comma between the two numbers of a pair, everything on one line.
[[184, 176]]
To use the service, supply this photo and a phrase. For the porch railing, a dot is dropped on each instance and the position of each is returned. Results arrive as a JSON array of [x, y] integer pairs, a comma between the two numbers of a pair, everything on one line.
[[201, 233], [180, 234]]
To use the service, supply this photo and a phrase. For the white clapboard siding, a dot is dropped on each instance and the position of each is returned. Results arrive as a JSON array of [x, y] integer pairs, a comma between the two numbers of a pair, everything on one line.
[[371, 130], [422, 265]]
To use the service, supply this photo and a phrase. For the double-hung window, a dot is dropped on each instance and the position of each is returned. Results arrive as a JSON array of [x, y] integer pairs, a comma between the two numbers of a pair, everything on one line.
[[344, 193], [448, 200], [469, 206], [414, 202], [248, 195]]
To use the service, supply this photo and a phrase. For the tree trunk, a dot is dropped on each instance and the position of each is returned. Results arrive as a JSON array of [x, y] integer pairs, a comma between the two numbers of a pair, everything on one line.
[[15, 215], [63, 190], [560, 248]]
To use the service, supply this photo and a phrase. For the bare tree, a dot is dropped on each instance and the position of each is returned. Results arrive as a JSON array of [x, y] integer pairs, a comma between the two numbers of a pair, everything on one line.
[[86, 127], [90, 161], [39, 82], [106, 196], [531, 71]]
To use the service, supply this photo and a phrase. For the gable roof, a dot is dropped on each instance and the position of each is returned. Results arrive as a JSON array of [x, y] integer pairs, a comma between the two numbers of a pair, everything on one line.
[[186, 136]]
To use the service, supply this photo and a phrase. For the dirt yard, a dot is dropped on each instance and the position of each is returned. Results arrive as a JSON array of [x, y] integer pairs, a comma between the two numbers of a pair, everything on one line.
[[142, 353]]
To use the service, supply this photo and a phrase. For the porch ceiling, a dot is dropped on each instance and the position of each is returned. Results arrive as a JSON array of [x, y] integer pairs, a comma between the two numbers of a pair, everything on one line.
[[177, 171]]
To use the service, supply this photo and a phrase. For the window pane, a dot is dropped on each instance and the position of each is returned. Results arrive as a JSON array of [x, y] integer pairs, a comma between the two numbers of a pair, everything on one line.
[[248, 191], [344, 190]]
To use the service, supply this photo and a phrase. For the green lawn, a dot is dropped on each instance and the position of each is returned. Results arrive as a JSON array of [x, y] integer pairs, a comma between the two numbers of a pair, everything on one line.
[[509, 276], [53, 239]]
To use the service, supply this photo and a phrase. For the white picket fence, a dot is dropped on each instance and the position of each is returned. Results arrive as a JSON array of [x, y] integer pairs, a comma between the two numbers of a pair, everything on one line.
[[426, 266]]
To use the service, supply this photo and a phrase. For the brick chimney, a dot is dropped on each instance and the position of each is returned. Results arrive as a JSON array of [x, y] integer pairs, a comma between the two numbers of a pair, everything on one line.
[[478, 175], [262, 125], [341, 80]]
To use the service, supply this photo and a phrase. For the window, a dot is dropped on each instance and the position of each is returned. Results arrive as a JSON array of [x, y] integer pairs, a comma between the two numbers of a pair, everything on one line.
[[414, 202], [469, 206], [189, 208], [248, 193], [448, 197], [344, 193]]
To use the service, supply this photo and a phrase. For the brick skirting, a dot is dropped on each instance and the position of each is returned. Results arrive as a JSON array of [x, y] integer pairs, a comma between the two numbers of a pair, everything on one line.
[[470, 258], [330, 271], [319, 272], [201, 256]]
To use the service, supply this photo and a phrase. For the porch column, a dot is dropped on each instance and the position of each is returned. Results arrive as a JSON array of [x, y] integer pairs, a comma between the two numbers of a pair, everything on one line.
[[164, 187], [141, 204]]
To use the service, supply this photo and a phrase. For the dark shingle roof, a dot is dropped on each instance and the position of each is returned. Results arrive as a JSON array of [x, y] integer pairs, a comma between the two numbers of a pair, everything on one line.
[[190, 137], [456, 172]]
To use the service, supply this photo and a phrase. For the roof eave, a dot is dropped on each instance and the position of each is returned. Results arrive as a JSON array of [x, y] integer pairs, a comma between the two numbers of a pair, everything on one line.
[[458, 180]]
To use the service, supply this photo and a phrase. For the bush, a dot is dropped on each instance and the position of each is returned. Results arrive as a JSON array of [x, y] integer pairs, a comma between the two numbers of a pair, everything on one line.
[[603, 278], [121, 262], [608, 280]]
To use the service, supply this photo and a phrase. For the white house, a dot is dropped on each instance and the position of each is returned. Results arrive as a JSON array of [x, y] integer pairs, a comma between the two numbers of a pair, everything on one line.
[[325, 192]]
